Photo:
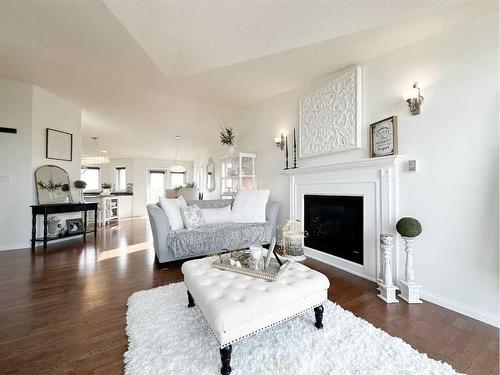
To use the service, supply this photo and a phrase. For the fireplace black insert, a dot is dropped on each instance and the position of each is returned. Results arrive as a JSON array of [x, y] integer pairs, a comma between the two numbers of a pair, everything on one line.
[[334, 225]]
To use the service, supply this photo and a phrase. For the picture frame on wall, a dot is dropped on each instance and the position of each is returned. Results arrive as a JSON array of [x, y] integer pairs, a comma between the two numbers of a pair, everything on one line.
[[59, 145], [384, 137]]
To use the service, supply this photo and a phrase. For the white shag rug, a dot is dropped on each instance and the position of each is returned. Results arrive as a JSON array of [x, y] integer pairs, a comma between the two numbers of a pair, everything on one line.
[[166, 337]]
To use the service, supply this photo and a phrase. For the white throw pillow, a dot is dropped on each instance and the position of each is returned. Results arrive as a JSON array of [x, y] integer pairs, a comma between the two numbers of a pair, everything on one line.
[[216, 215], [172, 208], [250, 206], [191, 216]]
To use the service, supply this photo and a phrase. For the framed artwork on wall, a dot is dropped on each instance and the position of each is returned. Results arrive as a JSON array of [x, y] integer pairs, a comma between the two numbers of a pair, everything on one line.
[[59, 145], [384, 137], [330, 116]]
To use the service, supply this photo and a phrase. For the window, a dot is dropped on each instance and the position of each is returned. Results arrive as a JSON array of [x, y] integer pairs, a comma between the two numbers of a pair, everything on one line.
[[156, 185], [177, 179], [121, 179], [92, 176]]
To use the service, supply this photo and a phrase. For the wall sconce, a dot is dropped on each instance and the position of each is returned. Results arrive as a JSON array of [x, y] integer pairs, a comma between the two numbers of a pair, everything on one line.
[[414, 99], [280, 142]]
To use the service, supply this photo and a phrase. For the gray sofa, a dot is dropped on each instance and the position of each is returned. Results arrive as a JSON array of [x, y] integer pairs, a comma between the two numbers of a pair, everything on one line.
[[210, 238]]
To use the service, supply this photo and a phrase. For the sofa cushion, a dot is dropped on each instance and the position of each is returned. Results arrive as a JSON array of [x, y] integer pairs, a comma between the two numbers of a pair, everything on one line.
[[172, 208], [250, 206], [216, 215], [215, 237]]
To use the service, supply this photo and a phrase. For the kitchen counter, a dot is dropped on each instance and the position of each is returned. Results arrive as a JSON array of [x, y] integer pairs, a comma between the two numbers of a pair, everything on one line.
[[115, 194]]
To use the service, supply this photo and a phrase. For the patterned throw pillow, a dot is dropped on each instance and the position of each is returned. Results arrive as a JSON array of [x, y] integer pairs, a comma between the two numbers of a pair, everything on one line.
[[191, 215]]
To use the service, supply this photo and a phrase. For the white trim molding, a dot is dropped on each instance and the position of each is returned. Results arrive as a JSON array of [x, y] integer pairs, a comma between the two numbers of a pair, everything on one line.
[[15, 247], [459, 307]]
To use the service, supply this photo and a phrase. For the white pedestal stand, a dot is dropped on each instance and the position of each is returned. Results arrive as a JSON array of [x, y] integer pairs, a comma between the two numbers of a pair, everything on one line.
[[410, 292], [386, 288]]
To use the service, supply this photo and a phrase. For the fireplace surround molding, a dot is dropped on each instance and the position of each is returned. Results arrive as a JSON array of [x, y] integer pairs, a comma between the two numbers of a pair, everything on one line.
[[376, 180]]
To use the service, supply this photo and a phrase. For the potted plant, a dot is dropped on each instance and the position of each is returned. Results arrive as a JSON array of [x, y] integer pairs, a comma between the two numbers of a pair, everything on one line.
[[51, 187], [227, 136], [79, 186], [409, 228], [106, 189]]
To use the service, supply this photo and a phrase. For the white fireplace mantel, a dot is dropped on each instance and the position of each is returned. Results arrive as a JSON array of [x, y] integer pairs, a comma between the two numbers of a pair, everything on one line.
[[361, 163], [376, 180]]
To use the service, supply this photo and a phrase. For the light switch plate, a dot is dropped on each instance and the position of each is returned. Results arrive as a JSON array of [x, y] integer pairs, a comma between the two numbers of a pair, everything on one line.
[[412, 166], [4, 179]]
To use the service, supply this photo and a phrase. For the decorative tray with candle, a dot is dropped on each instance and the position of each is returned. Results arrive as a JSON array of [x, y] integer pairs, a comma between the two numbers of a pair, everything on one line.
[[240, 261]]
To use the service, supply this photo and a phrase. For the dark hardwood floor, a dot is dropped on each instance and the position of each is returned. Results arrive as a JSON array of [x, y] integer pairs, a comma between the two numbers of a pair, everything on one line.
[[63, 312]]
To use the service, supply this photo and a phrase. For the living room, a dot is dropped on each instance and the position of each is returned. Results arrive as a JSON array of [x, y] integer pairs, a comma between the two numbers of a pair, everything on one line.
[[179, 131]]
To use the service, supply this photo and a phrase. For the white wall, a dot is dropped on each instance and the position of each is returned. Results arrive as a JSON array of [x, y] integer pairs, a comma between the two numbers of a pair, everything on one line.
[[30, 109], [455, 139], [50, 111], [15, 164]]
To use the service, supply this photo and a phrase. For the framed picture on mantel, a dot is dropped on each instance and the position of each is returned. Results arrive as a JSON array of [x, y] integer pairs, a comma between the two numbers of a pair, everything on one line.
[[59, 145], [384, 137]]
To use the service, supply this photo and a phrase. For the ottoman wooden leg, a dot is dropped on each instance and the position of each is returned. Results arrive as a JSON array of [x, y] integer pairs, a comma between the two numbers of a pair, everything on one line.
[[318, 311], [190, 300], [225, 357]]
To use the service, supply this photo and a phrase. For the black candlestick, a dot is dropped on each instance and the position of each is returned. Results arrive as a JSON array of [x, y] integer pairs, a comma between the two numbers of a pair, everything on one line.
[[286, 152], [294, 150]]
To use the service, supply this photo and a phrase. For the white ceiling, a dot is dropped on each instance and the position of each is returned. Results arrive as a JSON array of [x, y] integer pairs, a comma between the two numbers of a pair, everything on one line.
[[186, 37], [145, 71]]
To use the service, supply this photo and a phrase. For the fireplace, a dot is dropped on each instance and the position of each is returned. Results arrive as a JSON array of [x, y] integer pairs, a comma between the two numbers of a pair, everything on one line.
[[334, 225], [368, 190]]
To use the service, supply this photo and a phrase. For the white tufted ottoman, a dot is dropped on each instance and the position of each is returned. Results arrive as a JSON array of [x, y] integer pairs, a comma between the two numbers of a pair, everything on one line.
[[236, 306]]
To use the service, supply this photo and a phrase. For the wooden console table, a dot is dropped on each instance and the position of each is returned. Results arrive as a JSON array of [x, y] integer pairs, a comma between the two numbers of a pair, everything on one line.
[[59, 208]]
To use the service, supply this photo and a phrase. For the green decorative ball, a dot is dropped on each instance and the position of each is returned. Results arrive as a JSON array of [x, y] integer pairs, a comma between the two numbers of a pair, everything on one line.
[[409, 227]]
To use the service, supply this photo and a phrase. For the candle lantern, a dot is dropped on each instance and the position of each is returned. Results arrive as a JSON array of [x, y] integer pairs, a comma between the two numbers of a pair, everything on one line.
[[293, 239]]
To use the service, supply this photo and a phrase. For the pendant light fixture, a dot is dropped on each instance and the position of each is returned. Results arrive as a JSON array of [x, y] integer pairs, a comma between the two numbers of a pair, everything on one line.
[[96, 158], [176, 168]]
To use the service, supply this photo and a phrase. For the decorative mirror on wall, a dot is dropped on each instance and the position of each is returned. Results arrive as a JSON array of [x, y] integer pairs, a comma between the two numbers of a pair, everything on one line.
[[210, 175], [52, 185]]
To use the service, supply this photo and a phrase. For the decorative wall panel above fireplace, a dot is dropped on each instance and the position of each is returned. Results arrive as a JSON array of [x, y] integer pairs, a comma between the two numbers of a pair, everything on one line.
[[330, 116]]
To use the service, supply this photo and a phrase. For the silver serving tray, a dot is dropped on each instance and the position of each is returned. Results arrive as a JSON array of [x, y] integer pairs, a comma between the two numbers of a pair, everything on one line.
[[272, 273]]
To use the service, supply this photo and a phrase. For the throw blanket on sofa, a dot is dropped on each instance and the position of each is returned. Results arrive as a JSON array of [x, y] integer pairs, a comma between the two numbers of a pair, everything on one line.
[[216, 237]]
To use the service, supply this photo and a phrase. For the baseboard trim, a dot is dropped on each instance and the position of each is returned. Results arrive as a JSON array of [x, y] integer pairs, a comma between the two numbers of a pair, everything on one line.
[[40, 244], [447, 303], [325, 258], [14, 247], [462, 308]]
